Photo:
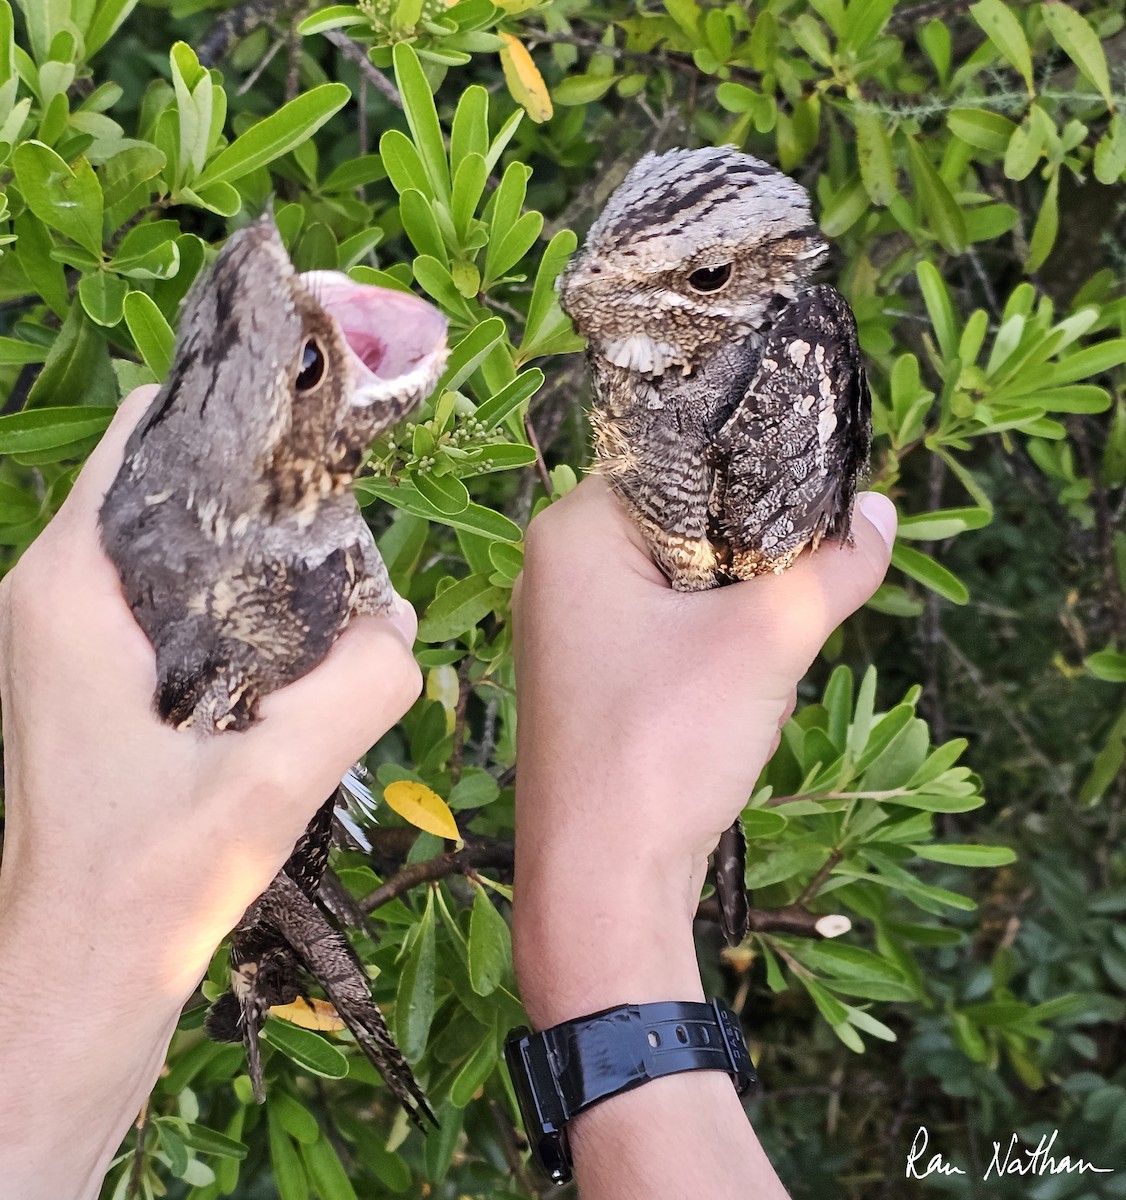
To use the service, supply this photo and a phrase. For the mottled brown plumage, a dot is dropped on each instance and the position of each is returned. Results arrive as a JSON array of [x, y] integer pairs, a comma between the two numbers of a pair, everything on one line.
[[243, 554], [731, 411]]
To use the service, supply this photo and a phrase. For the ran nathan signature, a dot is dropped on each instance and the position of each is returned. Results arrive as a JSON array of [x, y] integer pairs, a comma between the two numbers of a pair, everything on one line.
[[1013, 1159]]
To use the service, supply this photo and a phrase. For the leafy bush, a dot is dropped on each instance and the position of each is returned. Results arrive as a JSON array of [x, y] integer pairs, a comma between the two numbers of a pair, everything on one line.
[[968, 165]]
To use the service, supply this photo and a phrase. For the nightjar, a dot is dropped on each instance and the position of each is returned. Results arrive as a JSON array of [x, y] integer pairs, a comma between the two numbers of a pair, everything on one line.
[[731, 411], [243, 555]]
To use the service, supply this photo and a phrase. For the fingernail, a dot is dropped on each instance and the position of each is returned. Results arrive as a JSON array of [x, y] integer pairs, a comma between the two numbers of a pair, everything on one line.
[[404, 619], [878, 509]]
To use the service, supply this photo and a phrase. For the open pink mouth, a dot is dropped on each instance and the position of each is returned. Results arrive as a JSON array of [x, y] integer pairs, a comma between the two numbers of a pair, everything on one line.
[[393, 335]]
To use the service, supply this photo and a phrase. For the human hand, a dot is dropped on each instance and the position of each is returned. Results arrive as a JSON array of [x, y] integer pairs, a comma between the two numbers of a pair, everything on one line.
[[646, 715], [116, 814], [130, 848]]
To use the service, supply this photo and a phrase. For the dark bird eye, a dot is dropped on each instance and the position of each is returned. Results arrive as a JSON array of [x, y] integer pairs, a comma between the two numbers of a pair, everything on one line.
[[312, 366], [710, 279]]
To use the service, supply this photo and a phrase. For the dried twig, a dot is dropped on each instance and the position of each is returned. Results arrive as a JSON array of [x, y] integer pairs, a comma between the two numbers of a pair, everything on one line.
[[455, 862], [354, 52], [237, 23], [793, 919]]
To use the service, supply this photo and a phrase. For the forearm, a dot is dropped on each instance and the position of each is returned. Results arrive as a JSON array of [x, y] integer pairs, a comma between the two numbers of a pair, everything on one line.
[[84, 1042], [593, 931]]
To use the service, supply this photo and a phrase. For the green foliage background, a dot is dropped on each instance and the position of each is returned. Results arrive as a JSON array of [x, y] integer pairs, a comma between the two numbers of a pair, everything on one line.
[[968, 162]]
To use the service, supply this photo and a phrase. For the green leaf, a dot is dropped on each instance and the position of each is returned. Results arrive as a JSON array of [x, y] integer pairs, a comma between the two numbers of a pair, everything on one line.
[[507, 249], [581, 89], [1002, 28], [1108, 665], [476, 1069], [490, 945], [210, 1141], [16, 352], [940, 309], [943, 214], [787, 862], [845, 208], [421, 226], [762, 823], [17, 506], [1047, 226], [108, 16], [306, 1048], [500, 406], [929, 573], [470, 352], [294, 1117], [422, 117], [73, 372], [469, 184], [1080, 43], [474, 519], [446, 493], [966, 856], [459, 607], [981, 128], [877, 166], [469, 133], [151, 333], [1110, 153], [829, 1007], [840, 960], [276, 134], [326, 1173], [289, 1175], [942, 523], [414, 999], [403, 164], [335, 16], [103, 297], [67, 199]]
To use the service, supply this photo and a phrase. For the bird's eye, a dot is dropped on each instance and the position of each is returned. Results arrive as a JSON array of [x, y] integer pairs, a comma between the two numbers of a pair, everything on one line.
[[312, 366], [710, 279]]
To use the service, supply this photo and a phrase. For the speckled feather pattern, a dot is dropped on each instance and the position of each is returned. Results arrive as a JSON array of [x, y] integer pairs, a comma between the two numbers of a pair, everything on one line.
[[734, 422]]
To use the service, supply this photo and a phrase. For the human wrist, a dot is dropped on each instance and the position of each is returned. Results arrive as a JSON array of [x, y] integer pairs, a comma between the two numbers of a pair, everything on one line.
[[605, 935]]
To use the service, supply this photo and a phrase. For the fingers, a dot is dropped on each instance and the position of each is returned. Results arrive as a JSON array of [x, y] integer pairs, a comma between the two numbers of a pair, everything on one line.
[[321, 724], [589, 529], [104, 462]]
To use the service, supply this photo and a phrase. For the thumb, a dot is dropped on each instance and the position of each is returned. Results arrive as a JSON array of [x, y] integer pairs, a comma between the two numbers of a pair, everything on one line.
[[320, 724], [798, 610]]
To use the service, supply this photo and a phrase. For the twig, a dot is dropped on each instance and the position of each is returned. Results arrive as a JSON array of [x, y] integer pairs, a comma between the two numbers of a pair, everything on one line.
[[235, 24], [138, 1169], [1104, 528], [541, 466], [793, 920], [455, 862], [814, 885], [263, 63], [510, 1149], [458, 748], [294, 51], [354, 52]]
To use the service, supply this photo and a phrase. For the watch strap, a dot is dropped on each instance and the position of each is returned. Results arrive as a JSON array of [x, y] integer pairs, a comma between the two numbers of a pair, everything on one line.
[[562, 1071]]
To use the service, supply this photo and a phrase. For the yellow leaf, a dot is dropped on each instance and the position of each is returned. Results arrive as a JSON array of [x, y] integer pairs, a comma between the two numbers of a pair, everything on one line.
[[309, 1014], [524, 79], [416, 803], [443, 685]]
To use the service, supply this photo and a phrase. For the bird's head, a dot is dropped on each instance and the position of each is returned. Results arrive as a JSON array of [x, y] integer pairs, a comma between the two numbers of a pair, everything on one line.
[[280, 379], [695, 247]]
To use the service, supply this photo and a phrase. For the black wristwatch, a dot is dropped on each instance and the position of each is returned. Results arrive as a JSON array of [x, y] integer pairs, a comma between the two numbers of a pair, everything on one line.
[[560, 1072]]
